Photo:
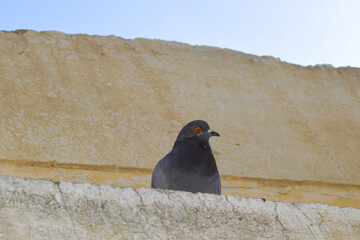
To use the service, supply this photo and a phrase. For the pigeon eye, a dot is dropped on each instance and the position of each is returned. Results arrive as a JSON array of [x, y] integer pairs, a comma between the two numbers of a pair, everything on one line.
[[197, 129]]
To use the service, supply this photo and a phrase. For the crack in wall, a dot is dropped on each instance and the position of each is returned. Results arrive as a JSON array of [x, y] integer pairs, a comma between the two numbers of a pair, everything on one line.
[[312, 223], [140, 196], [233, 206], [303, 213], [283, 228], [57, 187]]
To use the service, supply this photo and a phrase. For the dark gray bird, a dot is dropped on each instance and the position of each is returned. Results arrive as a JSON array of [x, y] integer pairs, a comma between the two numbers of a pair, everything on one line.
[[190, 166]]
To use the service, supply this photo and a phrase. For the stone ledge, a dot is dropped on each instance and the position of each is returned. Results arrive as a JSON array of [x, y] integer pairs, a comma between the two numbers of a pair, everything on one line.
[[43, 209]]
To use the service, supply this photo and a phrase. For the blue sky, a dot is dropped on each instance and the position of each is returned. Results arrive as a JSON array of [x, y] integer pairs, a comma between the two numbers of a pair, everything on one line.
[[303, 32]]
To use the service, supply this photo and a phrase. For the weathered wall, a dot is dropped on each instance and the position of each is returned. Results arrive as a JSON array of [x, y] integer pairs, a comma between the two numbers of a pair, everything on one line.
[[105, 110], [42, 209]]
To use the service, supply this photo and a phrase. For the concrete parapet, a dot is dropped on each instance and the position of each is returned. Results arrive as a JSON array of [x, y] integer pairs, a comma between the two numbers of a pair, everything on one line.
[[43, 209]]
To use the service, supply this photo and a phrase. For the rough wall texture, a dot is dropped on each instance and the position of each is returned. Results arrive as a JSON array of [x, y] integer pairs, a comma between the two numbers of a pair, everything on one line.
[[105, 110], [42, 209]]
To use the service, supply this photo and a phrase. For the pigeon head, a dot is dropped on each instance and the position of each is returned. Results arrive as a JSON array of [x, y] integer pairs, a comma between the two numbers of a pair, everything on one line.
[[196, 130]]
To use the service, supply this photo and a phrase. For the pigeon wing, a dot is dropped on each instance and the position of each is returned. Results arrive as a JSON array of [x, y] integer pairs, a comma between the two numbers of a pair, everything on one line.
[[159, 178]]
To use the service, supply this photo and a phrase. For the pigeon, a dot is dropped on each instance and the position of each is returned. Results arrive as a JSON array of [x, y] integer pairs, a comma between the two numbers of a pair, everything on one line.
[[190, 166]]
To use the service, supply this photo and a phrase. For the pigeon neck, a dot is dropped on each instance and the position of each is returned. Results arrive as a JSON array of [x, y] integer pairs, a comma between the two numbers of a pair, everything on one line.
[[187, 142], [195, 155]]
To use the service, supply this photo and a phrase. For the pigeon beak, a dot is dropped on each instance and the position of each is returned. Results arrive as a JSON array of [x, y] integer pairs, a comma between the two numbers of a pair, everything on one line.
[[213, 133]]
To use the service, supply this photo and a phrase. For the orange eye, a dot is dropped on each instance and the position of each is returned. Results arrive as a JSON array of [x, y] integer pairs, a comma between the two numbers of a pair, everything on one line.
[[197, 129]]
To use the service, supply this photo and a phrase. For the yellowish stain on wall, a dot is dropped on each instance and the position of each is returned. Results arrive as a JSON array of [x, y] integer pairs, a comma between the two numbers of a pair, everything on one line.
[[343, 195], [81, 99]]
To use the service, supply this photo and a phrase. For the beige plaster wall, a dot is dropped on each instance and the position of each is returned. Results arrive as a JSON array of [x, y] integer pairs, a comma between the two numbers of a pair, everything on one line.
[[80, 101]]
